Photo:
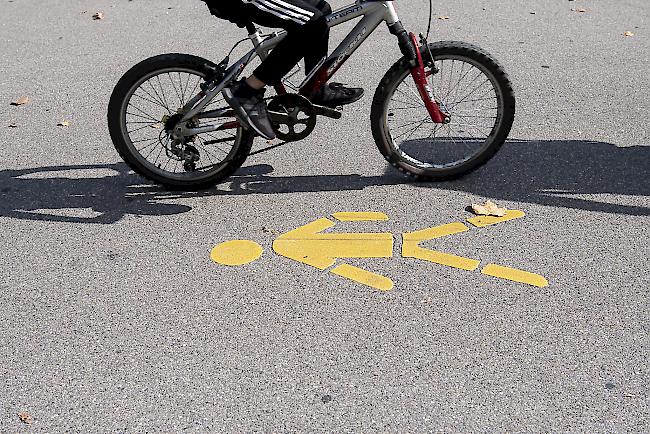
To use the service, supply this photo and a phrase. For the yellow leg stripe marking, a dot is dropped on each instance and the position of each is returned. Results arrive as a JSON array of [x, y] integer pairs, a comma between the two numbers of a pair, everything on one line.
[[363, 277], [436, 232], [484, 220], [360, 216], [410, 249], [515, 275], [238, 252]]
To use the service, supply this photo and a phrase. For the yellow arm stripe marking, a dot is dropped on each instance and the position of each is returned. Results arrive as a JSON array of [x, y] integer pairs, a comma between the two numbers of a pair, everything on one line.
[[484, 220], [363, 277], [360, 216], [514, 275]]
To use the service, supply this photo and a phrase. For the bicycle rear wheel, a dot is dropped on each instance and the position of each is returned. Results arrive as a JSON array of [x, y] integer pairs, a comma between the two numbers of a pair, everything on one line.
[[470, 86], [145, 105]]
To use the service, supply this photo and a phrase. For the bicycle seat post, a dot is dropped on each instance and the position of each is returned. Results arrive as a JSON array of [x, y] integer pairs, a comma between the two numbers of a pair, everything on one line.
[[253, 34]]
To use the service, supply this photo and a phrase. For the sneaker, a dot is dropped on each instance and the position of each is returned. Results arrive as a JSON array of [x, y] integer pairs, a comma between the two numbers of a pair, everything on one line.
[[336, 94], [250, 108]]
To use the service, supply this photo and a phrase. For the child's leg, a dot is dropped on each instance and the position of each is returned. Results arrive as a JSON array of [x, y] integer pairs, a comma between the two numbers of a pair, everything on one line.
[[320, 48], [306, 27]]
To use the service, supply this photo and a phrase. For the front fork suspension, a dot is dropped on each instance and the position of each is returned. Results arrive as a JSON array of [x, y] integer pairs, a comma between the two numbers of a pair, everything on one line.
[[420, 77], [410, 48]]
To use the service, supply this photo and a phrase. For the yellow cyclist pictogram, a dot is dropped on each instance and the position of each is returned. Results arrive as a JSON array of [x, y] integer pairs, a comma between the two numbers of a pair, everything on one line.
[[309, 245]]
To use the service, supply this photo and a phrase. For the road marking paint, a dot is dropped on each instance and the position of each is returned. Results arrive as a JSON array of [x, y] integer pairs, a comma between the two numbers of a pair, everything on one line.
[[514, 275], [363, 277], [360, 216], [485, 220], [308, 245], [411, 248], [237, 252]]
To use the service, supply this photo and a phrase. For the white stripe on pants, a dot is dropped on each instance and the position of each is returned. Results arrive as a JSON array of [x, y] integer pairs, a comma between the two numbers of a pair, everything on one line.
[[284, 13]]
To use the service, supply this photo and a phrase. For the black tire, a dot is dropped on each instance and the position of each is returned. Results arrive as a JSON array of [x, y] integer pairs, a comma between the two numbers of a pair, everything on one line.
[[117, 109], [400, 71]]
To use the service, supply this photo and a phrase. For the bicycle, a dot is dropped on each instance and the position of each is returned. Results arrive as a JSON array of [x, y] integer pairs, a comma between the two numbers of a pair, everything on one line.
[[441, 111]]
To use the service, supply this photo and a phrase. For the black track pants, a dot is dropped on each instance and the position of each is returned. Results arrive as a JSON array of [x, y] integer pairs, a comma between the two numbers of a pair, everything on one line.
[[308, 34]]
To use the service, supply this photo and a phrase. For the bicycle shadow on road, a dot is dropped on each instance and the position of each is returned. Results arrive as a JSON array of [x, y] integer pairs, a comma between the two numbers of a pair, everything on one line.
[[94, 193], [562, 173], [540, 172], [549, 173]]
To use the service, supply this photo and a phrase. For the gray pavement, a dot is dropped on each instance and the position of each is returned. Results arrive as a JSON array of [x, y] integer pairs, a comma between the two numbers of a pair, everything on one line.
[[114, 319]]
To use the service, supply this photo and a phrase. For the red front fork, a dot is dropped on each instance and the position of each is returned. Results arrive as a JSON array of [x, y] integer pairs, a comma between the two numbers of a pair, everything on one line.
[[420, 78]]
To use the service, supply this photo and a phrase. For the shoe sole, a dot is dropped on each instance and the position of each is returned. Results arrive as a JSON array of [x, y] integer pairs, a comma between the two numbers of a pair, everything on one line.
[[352, 101], [243, 116]]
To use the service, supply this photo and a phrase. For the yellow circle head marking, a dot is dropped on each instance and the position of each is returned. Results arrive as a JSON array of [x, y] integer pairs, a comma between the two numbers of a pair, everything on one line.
[[238, 252]]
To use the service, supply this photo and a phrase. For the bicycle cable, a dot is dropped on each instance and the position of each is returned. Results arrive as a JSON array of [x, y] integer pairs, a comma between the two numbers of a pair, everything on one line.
[[235, 46], [430, 18]]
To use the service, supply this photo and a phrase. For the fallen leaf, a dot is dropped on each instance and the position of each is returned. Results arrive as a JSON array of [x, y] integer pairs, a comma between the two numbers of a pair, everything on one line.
[[444, 17], [63, 124], [25, 417], [579, 10], [628, 34], [98, 16], [21, 101], [156, 126], [489, 208]]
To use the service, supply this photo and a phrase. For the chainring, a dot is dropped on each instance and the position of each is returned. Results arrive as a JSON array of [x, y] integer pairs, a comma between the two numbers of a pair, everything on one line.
[[293, 116]]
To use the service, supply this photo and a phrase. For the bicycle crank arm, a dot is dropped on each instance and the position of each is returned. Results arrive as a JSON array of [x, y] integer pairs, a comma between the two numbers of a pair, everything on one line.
[[328, 112], [278, 118]]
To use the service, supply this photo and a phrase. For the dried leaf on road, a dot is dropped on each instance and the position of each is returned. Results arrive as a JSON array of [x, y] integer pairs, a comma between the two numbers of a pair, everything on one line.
[[63, 124], [21, 101], [579, 10], [25, 417], [628, 34], [489, 208], [444, 17], [98, 16]]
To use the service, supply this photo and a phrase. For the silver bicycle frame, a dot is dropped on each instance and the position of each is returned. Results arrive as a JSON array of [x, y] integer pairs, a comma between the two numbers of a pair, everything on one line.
[[373, 13]]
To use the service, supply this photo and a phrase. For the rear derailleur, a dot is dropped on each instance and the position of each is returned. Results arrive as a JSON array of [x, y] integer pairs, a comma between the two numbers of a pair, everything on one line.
[[180, 149]]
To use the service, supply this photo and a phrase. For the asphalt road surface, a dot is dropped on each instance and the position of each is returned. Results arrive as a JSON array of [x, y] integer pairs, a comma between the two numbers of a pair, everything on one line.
[[113, 318]]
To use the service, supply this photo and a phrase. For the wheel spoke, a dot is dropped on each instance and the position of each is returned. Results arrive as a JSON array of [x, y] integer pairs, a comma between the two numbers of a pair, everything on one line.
[[162, 100], [162, 91]]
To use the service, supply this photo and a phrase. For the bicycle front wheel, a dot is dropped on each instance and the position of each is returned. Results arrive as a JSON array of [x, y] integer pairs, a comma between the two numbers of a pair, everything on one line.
[[470, 86]]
